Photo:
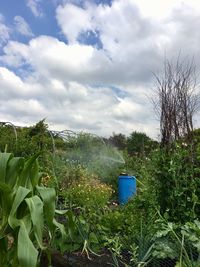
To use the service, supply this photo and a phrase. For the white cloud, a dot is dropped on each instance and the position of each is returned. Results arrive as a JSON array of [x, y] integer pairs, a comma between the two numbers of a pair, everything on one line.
[[65, 105], [13, 86], [80, 87], [15, 54], [158, 10], [133, 28], [130, 41], [73, 20], [50, 57], [4, 31], [22, 26], [35, 7]]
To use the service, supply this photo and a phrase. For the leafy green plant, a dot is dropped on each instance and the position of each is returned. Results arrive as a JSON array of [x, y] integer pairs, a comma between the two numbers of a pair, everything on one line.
[[86, 199], [87, 195], [114, 244], [79, 236], [178, 242], [176, 174], [68, 173], [25, 208], [113, 221], [142, 247]]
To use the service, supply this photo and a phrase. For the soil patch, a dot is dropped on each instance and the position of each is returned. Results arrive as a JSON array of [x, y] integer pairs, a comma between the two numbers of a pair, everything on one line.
[[79, 260]]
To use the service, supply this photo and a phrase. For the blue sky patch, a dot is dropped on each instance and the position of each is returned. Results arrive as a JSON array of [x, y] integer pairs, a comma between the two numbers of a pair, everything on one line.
[[90, 37]]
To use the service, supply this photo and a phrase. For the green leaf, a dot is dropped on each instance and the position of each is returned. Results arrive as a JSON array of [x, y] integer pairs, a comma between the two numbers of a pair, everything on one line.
[[27, 253], [48, 196], [4, 159], [61, 212], [36, 211], [27, 222], [15, 165], [61, 228], [29, 173], [4, 187], [93, 238], [71, 224], [19, 198], [34, 173]]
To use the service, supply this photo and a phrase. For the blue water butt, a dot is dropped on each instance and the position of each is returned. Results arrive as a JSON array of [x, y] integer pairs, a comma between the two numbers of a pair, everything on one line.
[[127, 188]]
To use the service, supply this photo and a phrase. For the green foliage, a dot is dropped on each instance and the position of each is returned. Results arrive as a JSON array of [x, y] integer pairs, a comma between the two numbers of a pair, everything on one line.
[[161, 223], [179, 242], [8, 138], [25, 207], [118, 140], [113, 221], [167, 181], [177, 182], [79, 235], [88, 153], [25, 141], [67, 172], [82, 147], [87, 198], [114, 244], [140, 144], [87, 195], [124, 229], [57, 155], [191, 232]]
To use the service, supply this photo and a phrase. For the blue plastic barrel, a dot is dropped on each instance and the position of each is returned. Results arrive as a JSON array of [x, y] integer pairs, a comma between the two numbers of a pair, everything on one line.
[[127, 188]]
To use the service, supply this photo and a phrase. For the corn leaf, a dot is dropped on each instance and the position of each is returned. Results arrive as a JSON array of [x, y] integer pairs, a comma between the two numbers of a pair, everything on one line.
[[36, 211], [27, 253], [28, 223], [4, 159], [15, 165], [27, 175], [61, 212], [34, 173], [48, 196], [4, 187], [19, 198], [61, 229]]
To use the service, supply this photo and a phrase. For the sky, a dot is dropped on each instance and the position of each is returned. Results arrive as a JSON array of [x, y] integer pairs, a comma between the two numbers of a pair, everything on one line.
[[88, 65]]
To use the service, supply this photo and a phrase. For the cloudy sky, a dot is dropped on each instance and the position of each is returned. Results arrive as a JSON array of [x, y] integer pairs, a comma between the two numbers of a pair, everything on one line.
[[87, 65]]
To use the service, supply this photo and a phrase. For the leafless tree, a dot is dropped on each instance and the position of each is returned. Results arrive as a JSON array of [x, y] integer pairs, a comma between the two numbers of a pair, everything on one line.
[[176, 99]]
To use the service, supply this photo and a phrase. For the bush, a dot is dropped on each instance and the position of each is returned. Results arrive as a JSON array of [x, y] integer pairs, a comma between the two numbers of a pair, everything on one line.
[[177, 175]]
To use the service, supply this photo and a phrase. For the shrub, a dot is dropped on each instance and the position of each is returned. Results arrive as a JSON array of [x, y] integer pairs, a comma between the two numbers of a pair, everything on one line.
[[176, 175]]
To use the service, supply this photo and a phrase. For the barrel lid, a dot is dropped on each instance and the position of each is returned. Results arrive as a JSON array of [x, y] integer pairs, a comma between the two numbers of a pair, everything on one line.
[[124, 174]]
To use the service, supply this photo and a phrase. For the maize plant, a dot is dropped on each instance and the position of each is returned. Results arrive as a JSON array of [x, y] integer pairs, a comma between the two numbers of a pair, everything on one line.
[[25, 208]]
